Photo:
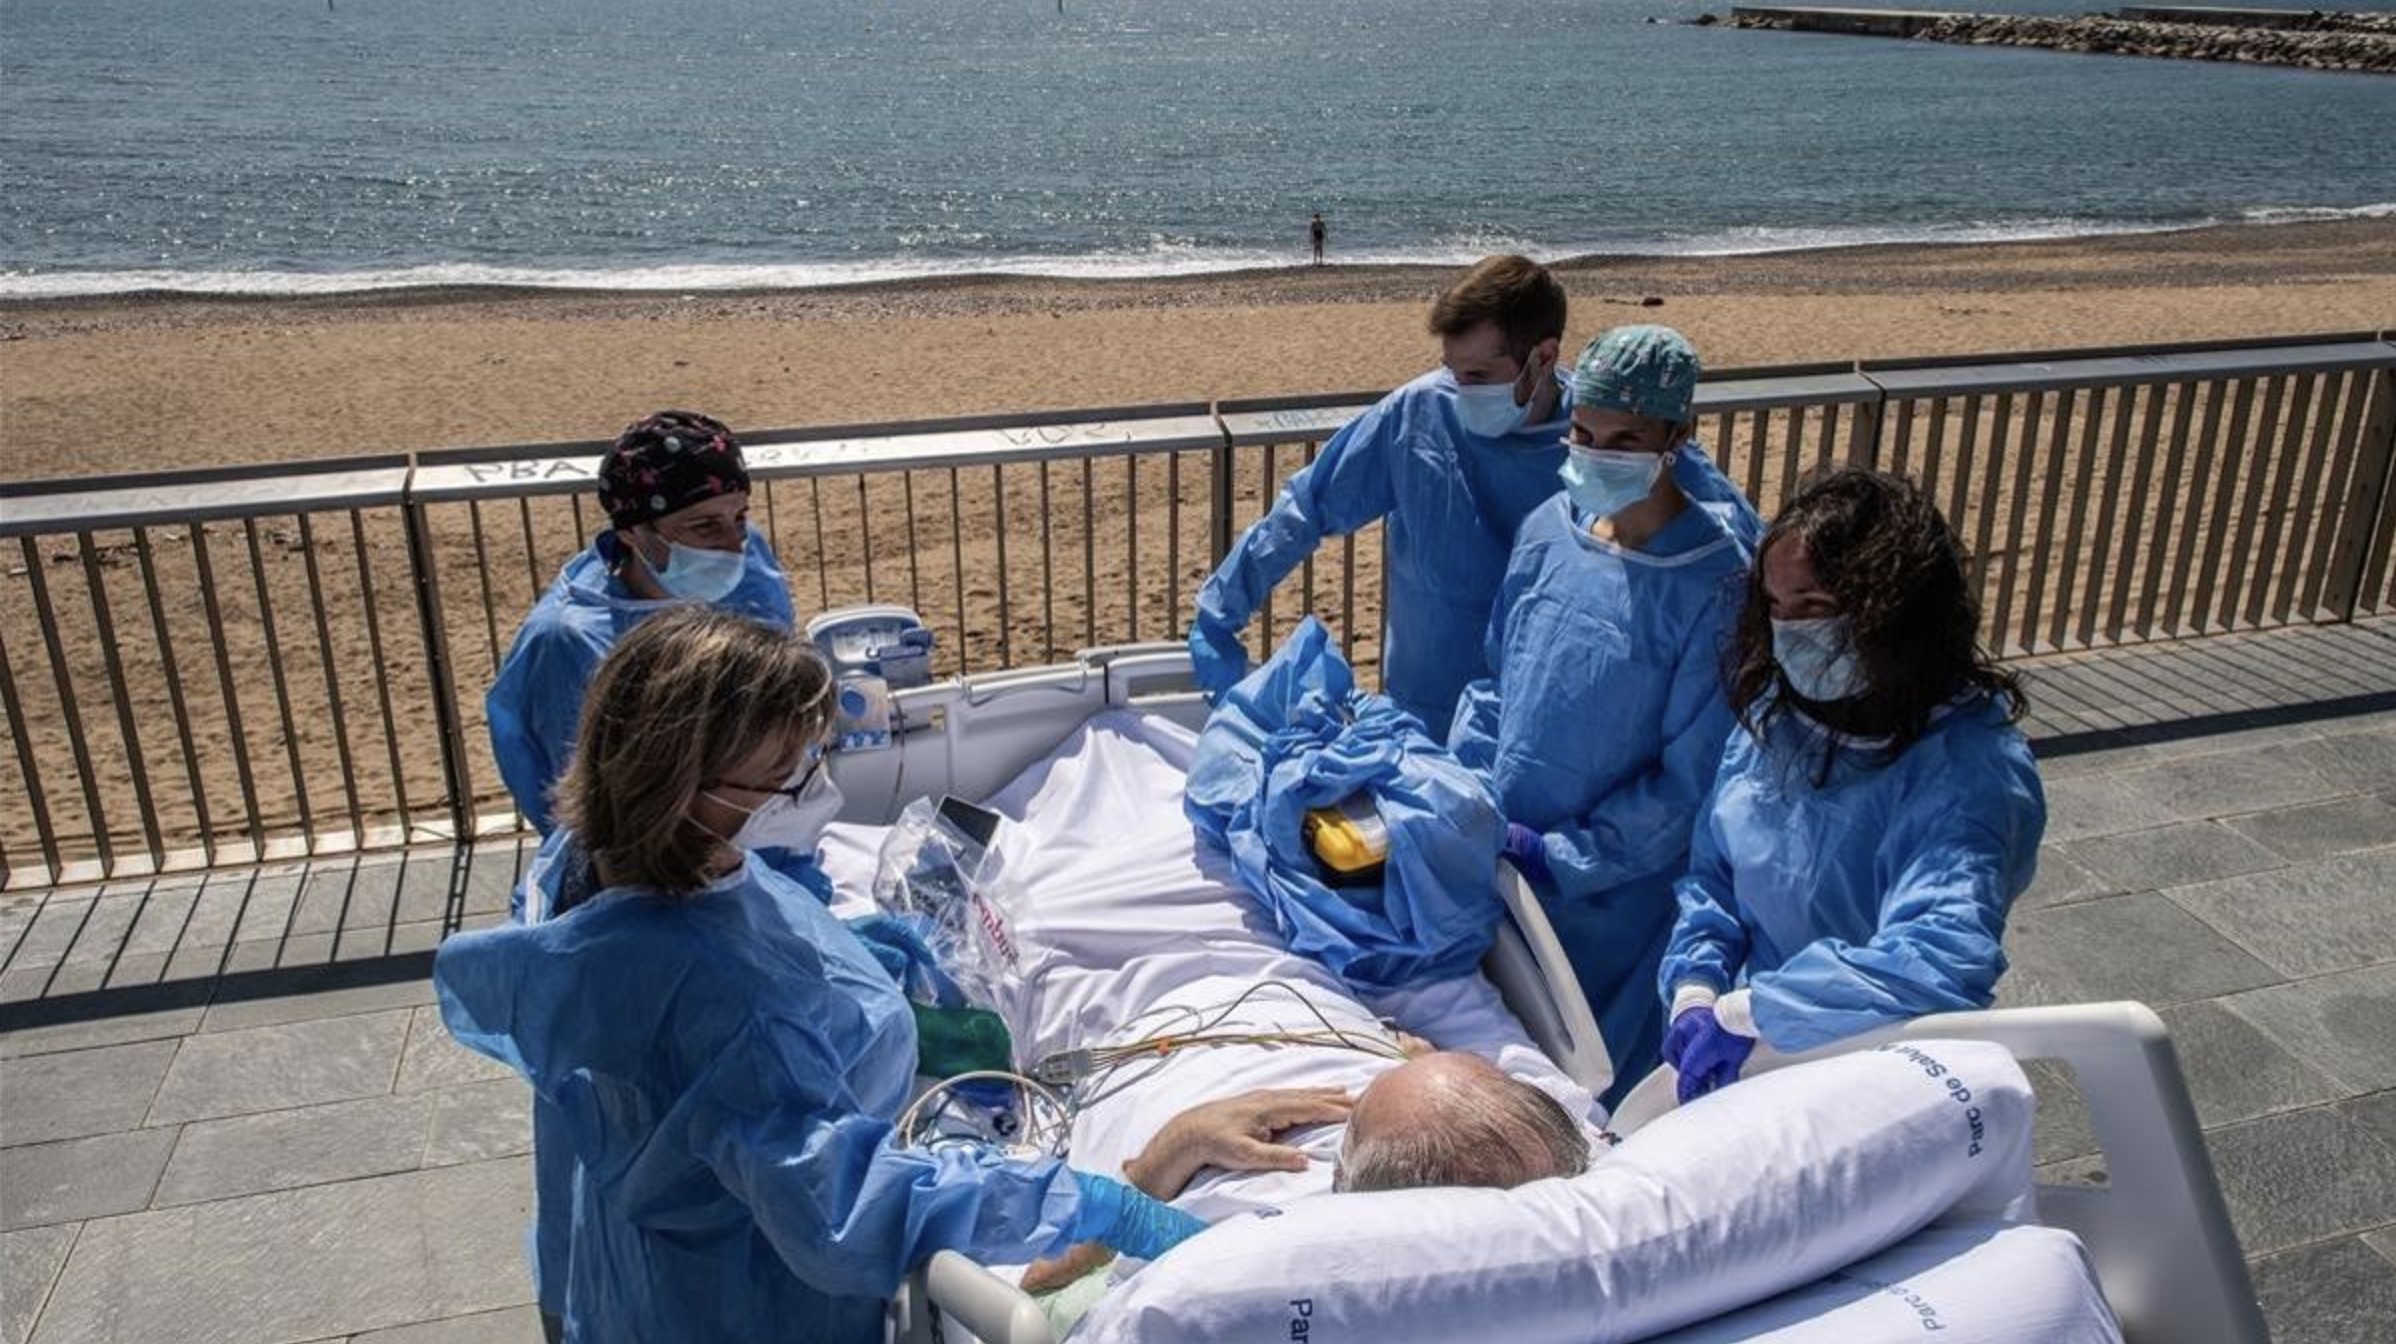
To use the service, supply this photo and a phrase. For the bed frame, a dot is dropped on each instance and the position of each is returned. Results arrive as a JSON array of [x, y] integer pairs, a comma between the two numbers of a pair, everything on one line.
[[2158, 1230]]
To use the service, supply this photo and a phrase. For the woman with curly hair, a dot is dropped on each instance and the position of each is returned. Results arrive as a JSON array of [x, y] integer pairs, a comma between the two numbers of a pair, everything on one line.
[[1876, 812]]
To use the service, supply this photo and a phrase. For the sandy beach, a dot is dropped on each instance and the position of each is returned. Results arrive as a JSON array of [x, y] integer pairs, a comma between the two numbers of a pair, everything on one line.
[[95, 387], [190, 382]]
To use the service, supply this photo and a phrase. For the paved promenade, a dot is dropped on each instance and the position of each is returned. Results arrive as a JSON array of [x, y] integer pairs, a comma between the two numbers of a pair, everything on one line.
[[230, 1116]]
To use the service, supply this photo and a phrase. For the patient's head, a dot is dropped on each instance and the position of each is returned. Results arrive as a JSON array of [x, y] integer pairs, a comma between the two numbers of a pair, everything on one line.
[[1453, 1119]]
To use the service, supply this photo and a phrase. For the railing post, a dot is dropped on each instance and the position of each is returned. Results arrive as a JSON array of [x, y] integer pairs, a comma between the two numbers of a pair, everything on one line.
[[2360, 550], [1863, 442], [1218, 522], [425, 573]]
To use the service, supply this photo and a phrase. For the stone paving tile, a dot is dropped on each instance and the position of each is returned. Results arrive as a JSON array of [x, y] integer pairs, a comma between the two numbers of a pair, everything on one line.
[[2062, 880], [2083, 764], [159, 921], [516, 1325], [2220, 784], [248, 912], [2302, 1177], [70, 1096], [2312, 919], [2062, 1130], [423, 1246], [2098, 805], [281, 1150], [164, 1024], [275, 1068], [2384, 1242], [29, 1263], [2364, 761], [435, 1059], [342, 994], [2320, 830], [104, 928], [2336, 1292], [2236, 1072], [2171, 856], [87, 977], [479, 1121], [2124, 947], [75, 1179], [54, 931], [348, 895], [2376, 1112], [2338, 1024], [17, 911]]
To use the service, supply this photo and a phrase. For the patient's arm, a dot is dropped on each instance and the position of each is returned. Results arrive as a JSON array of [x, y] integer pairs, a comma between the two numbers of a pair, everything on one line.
[[1235, 1133]]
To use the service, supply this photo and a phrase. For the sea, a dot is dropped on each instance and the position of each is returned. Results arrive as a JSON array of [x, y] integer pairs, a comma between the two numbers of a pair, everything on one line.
[[314, 146]]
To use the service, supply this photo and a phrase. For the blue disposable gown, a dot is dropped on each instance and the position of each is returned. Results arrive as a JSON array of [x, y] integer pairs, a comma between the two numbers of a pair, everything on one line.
[[1296, 734], [1453, 500], [727, 1068], [536, 703], [1876, 897], [1602, 730]]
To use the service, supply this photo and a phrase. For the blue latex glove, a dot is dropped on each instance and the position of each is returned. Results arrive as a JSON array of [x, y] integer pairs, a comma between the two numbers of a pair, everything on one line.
[[1216, 656], [1128, 1222], [897, 942], [1705, 1053], [1528, 849]]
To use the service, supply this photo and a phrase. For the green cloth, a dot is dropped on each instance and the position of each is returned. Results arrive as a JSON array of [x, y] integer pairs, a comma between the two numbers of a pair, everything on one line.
[[1067, 1305]]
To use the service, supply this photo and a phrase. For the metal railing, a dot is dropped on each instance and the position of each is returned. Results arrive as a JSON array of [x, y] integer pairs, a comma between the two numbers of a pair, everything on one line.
[[224, 667]]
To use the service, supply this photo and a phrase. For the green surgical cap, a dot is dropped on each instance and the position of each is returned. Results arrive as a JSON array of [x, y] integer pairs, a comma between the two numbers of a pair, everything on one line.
[[1645, 370]]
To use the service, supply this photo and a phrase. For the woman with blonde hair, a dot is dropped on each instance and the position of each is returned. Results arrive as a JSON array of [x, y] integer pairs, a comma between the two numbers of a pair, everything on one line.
[[723, 1058]]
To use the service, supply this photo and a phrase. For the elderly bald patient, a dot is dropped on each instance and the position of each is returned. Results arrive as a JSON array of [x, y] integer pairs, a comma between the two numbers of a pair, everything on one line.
[[1452, 1118]]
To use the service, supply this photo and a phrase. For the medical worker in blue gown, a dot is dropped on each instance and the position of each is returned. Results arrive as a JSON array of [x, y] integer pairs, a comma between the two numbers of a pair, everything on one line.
[[1454, 461], [727, 1058], [1877, 811], [1602, 726], [675, 488]]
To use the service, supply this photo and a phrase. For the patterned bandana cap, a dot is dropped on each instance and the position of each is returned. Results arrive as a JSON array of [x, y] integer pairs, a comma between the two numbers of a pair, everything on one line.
[[1645, 370], [666, 462]]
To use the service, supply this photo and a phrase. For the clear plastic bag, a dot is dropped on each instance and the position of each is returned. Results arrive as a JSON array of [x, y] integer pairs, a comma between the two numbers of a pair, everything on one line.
[[931, 868]]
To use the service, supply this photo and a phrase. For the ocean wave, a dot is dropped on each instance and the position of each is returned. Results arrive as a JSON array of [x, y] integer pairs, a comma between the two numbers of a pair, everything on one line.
[[1160, 258]]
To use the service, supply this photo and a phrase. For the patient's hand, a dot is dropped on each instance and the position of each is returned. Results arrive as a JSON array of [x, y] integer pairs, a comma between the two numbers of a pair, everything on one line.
[[1235, 1134], [1046, 1276]]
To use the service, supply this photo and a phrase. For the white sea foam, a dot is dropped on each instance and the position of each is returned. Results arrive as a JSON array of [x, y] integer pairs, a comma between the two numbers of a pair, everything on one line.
[[1159, 258]]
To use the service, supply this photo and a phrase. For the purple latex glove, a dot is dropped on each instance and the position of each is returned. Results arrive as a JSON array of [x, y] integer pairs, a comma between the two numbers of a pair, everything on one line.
[[1528, 850], [1706, 1054]]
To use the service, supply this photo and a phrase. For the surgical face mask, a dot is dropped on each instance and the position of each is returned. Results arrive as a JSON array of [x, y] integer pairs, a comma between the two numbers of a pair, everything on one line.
[[1489, 410], [1817, 658], [696, 575], [792, 818], [1604, 482]]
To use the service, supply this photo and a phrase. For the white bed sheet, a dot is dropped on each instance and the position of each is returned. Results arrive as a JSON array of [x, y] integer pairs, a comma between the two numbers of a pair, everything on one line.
[[1118, 909]]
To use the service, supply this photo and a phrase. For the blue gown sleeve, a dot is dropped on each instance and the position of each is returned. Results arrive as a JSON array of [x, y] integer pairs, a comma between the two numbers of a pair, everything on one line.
[[1348, 485], [1709, 939], [1643, 826], [847, 1211], [1940, 945], [533, 709]]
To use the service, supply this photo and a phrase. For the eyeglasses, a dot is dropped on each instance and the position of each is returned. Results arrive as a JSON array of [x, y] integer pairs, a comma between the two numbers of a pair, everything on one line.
[[794, 792]]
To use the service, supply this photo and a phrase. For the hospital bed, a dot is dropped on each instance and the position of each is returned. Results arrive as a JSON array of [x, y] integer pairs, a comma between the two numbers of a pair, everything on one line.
[[2158, 1233]]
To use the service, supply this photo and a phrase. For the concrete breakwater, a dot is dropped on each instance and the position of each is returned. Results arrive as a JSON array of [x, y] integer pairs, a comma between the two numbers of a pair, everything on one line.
[[2319, 41]]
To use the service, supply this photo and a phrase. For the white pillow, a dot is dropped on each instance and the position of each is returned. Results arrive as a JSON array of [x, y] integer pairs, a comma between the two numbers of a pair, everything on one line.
[[1988, 1283], [1762, 1187]]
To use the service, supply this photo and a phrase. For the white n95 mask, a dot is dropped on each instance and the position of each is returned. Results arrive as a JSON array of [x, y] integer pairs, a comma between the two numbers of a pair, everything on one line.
[[1489, 410], [1817, 658], [790, 821], [1604, 482]]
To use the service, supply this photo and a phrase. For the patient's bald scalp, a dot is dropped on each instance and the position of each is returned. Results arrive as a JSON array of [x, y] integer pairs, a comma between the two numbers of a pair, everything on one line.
[[1453, 1118]]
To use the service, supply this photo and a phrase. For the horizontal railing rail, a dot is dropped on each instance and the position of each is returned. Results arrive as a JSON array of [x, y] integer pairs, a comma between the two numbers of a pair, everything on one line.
[[242, 664]]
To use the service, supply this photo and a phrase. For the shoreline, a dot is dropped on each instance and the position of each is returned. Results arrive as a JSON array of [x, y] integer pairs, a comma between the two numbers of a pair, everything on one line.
[[1332, 283], [109, 386]]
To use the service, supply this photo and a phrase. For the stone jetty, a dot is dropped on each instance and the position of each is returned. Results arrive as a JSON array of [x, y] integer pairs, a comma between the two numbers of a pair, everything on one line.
[[2314, 40]]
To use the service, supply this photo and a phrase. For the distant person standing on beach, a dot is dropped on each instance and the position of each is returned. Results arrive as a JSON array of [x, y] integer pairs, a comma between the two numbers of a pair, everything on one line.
[[1317, 233]]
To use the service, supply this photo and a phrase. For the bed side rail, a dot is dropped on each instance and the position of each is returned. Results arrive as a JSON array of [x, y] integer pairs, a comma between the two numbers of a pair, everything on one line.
[[952, 1300]]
